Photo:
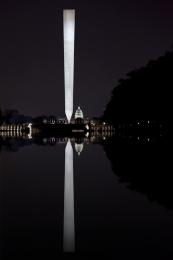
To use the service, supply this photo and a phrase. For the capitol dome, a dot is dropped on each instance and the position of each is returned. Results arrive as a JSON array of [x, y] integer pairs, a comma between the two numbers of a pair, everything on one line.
[[78, 113]]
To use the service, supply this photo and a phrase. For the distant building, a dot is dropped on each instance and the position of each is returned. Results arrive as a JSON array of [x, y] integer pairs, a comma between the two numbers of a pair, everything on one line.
[[52, 120], [79, 117], [61, 121], [79, 113], [87, 120]]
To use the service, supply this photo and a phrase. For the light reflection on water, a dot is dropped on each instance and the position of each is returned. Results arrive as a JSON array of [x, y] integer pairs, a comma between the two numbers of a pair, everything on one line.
[[98, 212], [69, 225]]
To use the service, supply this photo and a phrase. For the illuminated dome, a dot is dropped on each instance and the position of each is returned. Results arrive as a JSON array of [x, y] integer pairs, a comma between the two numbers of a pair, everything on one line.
[[78, 113]]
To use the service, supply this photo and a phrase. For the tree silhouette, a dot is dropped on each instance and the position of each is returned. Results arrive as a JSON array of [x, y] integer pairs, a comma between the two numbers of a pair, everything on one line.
[[144, 94]]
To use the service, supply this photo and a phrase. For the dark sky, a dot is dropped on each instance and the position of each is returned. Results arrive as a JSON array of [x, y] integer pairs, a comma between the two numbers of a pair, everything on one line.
[[112, 38]]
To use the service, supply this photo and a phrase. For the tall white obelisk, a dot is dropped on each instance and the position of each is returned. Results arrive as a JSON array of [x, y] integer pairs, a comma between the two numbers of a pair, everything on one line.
[[69, 226], [69, 37]]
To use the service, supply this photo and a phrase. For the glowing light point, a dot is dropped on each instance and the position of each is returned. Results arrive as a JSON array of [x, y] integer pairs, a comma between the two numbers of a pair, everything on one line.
[[69, 33]]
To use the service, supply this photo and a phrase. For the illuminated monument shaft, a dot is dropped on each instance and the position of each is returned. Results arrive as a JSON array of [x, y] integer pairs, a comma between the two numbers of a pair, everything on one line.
[[69, 35], [69, 229]]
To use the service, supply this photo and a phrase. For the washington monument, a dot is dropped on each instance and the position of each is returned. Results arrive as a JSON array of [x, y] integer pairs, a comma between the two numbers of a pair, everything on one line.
[[69, 37], [69, 225]]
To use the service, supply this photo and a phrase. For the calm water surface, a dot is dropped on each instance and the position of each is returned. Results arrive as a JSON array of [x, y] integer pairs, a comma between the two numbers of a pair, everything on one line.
[[40, 217]]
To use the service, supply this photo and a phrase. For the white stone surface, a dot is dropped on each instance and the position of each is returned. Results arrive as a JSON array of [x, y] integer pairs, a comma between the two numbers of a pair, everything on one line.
[[79, 113], [69, 37]]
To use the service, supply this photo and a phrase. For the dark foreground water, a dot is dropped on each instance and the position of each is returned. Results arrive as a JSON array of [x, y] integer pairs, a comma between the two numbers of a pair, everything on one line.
[[122, 204]]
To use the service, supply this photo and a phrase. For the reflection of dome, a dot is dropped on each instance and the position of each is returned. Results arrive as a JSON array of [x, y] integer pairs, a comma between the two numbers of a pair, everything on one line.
[[78, 148], [78, 113]]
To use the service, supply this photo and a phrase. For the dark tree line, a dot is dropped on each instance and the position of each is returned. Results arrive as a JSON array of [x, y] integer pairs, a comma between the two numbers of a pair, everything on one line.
[[144, 94], [141, 109]]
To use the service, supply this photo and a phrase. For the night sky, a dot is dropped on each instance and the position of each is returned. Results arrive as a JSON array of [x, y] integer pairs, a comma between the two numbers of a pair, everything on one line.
[[112, 38]]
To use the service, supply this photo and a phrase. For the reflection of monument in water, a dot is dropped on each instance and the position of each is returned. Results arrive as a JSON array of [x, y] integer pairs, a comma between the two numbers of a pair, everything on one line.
[[69, 35], [15, 136], [69, 227], [69, 31]]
